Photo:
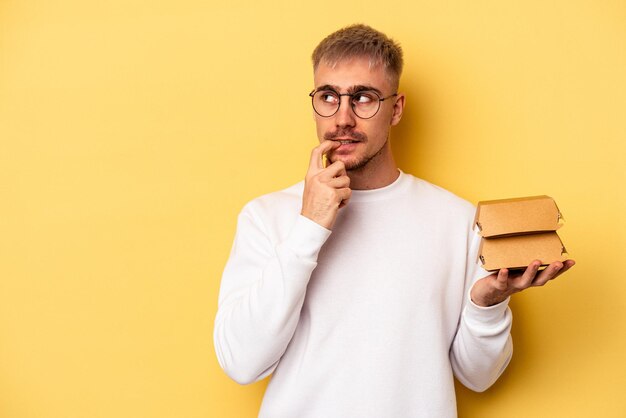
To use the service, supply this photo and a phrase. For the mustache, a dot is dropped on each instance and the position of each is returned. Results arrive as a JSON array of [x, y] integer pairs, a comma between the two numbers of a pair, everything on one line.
[[345, 133]]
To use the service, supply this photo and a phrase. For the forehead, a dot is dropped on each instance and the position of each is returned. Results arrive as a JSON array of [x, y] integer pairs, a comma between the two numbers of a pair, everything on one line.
[[352, 72]]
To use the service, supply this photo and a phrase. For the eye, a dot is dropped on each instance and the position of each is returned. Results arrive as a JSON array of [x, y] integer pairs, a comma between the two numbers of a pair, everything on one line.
[[328, 96], [364, 98]]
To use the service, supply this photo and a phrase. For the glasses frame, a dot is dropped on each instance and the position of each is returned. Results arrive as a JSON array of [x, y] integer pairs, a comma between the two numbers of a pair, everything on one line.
[[350, 95]]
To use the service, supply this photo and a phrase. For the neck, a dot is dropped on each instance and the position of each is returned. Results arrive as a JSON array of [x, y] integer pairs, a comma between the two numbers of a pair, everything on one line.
[[378, 172]]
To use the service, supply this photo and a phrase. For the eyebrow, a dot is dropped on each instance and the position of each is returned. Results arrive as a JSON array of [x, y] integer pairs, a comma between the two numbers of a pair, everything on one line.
[[361, 87], [351, 89]]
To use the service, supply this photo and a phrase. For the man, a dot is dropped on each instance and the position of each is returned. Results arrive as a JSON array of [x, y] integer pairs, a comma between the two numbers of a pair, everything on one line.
[[359, 288]]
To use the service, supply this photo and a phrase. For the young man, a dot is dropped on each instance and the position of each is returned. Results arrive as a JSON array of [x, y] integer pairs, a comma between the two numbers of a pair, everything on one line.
[[359, 288]]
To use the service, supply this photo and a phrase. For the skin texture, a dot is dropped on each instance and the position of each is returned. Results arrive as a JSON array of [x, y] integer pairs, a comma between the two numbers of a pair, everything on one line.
[[496, 287], [369, 164], [326, 189]]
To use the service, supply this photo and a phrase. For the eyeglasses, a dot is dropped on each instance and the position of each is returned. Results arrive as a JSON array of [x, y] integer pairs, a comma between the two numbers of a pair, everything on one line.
[[365, 103]]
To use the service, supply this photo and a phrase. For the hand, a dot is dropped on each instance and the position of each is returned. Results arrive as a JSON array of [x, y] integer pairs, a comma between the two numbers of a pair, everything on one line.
[[496, 287], [325, 188]]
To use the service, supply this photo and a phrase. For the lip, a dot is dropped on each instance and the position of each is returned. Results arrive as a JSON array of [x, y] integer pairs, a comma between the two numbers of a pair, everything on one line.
[[346, 139], [345, 147]]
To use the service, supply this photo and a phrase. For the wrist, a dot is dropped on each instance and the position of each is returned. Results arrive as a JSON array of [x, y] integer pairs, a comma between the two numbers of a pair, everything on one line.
[[488, 299], [318, 218], [486, 303]]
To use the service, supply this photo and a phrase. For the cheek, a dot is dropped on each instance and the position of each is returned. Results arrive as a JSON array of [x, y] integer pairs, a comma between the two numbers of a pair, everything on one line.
[[377, 133], [380, 128], [387, 117]]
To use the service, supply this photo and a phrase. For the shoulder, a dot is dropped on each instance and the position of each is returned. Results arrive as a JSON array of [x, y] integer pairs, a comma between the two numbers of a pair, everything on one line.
[[438, 198], [276, 201], [274, 211]]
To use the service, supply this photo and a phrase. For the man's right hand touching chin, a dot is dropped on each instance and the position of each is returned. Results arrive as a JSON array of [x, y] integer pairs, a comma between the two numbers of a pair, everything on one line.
[[326, 189]]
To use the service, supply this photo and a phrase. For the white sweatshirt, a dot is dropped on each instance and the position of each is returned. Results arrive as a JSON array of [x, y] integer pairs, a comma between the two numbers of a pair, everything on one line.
[[371, 320]]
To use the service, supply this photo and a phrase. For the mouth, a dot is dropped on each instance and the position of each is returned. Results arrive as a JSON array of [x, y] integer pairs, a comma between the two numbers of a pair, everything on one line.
[[346, 146], [343, 141]]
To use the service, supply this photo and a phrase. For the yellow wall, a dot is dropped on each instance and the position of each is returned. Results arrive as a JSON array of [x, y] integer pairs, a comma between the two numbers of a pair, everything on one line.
[[132, 132]]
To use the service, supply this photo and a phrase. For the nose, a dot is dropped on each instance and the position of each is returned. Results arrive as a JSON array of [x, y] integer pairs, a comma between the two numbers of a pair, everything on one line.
[[345, 115]]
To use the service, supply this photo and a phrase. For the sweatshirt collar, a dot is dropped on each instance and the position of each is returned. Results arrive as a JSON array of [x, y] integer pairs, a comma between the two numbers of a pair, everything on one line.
[[382, 193]]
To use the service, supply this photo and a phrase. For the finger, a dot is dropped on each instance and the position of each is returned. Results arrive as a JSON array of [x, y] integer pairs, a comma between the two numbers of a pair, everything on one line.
[[318, 152], [529, 274], [339, 182], [568, 264], [549, 273], [502, 279], [336, 169], [344, 195]]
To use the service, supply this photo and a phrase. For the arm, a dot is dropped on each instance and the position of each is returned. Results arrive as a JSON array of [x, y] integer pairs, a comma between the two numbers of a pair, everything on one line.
[[264, 282], [262, 292], [483, 346]]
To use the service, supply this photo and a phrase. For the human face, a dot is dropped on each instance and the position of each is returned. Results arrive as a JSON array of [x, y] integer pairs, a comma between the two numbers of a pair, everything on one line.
[[368, 137]]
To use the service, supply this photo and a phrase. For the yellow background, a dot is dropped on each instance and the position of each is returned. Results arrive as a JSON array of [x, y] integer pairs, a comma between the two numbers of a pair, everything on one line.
[[132, 132]]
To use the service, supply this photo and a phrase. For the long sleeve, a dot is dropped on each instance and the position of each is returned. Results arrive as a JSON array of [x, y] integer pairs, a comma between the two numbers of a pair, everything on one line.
[[262, 292], [367, 321], [482, 347]]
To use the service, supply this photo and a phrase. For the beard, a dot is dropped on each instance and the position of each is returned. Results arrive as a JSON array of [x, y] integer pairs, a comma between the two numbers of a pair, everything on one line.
[[362, 162], [356, 163]]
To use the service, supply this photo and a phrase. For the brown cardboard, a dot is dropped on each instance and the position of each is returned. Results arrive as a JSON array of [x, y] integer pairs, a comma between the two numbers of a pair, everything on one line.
[[523, 215], [517, 231], [518, 251]]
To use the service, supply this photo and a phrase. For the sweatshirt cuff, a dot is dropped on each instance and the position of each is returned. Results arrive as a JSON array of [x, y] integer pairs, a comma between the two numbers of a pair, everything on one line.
[[489, 315], [306, 238]]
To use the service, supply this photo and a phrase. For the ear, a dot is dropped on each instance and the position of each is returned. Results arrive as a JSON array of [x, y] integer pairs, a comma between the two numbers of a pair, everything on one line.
[[398, 108]]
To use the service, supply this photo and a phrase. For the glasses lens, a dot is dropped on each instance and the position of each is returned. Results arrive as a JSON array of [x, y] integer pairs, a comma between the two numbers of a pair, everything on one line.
[[325, 102], [365, 104]]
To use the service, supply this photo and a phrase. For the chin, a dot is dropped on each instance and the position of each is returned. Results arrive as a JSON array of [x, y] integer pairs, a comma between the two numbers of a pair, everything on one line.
[[350, 162]]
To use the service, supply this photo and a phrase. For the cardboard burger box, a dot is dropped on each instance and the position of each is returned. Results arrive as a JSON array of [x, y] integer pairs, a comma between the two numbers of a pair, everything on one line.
[[517, 231]]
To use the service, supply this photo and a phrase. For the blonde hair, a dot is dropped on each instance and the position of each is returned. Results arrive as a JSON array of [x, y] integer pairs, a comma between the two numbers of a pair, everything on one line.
[[357, 41]]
